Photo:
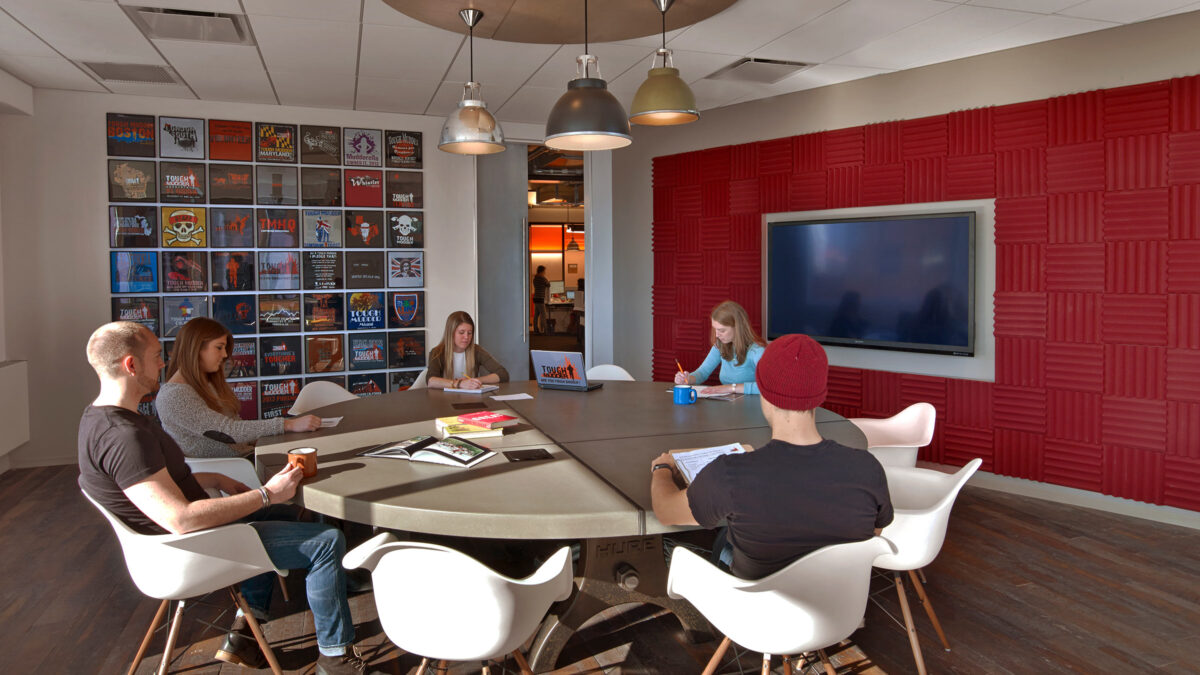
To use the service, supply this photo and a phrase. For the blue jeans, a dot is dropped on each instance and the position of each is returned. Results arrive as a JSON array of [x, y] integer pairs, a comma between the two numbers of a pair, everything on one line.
[[315, 547]]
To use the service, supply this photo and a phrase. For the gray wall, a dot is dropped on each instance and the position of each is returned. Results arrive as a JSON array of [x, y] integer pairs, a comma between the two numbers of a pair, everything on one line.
[[1144, 52], [502, 324]]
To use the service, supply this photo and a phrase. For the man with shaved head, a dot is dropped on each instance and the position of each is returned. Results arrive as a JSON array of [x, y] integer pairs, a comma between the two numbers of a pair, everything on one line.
[[134, 469]]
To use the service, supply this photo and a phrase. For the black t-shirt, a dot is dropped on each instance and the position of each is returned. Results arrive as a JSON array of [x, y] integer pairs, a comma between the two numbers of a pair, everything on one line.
[[783, 501], [119, 448]]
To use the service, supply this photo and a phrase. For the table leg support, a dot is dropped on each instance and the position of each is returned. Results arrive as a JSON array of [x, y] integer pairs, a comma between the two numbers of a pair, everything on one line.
[[611, 572]]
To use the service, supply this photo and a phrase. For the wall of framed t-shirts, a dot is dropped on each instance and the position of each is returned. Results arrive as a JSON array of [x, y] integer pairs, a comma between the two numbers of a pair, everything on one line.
[[306, 242]]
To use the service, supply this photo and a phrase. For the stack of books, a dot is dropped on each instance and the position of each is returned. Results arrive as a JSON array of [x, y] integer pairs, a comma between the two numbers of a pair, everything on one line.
[[481, 424]]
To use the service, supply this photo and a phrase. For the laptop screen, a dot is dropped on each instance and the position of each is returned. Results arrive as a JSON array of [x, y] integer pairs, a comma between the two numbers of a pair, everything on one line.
[[558, 368]]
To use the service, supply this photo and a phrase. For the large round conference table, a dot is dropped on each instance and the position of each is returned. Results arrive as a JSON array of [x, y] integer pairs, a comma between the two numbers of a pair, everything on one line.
[[595, 487]]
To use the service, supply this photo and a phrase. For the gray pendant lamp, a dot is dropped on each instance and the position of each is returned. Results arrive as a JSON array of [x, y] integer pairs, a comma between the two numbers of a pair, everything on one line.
[[470, 129], [587, 117], [663, 99]]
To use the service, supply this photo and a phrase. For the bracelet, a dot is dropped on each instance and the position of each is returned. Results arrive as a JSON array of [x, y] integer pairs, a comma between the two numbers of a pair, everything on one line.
[[656, 467], [266, 499]]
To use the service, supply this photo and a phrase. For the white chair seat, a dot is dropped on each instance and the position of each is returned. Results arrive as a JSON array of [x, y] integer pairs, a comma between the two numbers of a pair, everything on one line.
[[895, 440], [422, 380], [241, 470], [609, 372], [318, 395]]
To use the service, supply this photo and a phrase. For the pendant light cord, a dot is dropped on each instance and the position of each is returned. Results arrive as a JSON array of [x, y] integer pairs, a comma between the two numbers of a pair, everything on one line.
[[585, 37], [664, 32], [471, 42]]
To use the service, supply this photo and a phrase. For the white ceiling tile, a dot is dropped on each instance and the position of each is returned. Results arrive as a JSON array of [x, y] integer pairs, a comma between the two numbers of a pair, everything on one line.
[[322, 10], [1195, 6], [398, 52], [378, 12], [53, 72], [191, 56], [220, 72], [614, 60], [942, 37], [848, 27], [502, 62], [1037, 6], [308, 88], [306, 45], [716, 93], [652, 41], [85, 31], [1041, 29], [391, 95], [241, 86], [530, 104], [140, 89], [223, 6], [750, 24], [1123, 11], [16, 39], [819, 76]]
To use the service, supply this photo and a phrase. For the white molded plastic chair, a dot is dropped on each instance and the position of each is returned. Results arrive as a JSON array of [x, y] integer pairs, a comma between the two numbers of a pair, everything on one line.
[[921, 499], [241, 470], [422, 380], [444, 605], [181, 566], [895, 440], [816, 601], [319, 394], [608, 371]]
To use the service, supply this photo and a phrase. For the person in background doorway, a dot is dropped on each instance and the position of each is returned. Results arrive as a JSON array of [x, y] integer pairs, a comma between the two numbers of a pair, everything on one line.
[[736, 348], [577, 312], [541, 288], [458, 363]]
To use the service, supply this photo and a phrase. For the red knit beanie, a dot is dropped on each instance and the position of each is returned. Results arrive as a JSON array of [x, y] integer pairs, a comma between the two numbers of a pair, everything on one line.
[[792, 373]]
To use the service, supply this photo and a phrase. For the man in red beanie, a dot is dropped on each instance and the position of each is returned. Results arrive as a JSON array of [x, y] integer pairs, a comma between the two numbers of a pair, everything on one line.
[[792, 496]]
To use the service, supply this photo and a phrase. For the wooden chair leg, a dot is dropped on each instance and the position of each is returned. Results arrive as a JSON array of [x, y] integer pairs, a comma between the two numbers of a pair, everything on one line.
[[937, 625], [257, 630], [715, 661], [141, 652], [909, 624], [829, 669], [787, 665], [766, 667], [283, 587], [424, 664], [522, 663], [485, 669], [171, 636]]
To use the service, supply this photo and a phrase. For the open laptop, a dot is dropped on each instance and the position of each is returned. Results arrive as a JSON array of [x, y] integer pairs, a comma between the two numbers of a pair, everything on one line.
[[560, 370]]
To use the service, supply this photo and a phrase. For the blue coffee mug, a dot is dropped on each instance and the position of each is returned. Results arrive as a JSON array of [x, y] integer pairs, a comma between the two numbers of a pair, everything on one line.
[[685, 395]]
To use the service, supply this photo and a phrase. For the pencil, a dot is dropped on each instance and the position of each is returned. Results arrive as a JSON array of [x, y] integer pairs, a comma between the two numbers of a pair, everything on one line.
[[677, 365]]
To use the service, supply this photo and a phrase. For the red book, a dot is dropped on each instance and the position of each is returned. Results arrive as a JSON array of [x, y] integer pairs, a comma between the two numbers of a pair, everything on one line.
[[487, 419]]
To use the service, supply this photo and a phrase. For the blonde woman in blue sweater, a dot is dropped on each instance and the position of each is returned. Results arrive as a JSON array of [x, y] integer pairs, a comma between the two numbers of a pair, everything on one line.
[[736, 349]]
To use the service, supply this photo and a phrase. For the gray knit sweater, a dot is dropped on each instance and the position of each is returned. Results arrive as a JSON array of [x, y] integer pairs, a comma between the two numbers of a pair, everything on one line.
[[186, 418]]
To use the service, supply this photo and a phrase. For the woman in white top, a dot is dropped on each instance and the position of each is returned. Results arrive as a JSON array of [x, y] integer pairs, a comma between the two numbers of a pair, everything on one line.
[[458, 363], [197, 407]]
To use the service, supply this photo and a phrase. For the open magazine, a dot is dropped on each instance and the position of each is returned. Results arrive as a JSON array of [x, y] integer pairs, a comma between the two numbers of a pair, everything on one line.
[[450, 451], [690, 462]]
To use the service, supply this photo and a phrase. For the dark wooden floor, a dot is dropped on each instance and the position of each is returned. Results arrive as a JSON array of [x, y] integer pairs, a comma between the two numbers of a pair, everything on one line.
[[1022, 586]]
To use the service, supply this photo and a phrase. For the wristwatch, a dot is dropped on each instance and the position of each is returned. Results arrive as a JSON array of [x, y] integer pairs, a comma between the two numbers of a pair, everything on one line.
[[656, 467]]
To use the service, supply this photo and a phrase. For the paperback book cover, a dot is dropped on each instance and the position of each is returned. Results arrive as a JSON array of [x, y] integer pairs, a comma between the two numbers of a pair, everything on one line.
[[449, 451]]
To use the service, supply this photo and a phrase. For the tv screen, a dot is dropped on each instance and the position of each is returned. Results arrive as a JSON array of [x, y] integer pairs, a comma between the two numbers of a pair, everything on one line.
[[901, 282]]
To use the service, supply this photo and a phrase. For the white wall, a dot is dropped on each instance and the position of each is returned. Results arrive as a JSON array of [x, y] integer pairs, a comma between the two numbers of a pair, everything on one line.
[[55, 245], [1145, 52]]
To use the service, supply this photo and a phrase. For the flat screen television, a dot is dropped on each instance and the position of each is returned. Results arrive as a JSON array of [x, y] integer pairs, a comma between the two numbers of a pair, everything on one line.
[[891, 282]]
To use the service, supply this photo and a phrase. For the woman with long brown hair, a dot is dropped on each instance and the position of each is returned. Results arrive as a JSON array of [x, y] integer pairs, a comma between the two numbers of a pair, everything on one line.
[[736, 348], [197, 407], [458, 363]]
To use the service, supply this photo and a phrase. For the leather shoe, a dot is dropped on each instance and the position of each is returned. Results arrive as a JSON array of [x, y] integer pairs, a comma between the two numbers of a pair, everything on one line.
[[350, 663], [241, 649]]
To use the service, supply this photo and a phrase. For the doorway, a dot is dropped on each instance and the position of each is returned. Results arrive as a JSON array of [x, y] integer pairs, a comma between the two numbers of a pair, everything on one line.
[[558, 243]]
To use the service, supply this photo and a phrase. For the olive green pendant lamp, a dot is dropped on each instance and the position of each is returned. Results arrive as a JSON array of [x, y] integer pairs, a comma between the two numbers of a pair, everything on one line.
[[471, 129], [663, 99], [588, 117]]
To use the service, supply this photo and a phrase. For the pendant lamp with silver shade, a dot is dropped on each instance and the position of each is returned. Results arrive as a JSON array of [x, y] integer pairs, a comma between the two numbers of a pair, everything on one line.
[[587, 117], [664, 98], [471, 129]]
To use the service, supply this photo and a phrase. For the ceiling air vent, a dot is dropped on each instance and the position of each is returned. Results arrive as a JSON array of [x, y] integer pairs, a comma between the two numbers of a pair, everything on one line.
[[758, 71], [139, 73], [180, 24]]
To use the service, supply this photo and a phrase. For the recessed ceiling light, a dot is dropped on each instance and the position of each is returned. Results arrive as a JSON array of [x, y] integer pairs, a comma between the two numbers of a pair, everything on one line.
[[759, 71], [158, 23]]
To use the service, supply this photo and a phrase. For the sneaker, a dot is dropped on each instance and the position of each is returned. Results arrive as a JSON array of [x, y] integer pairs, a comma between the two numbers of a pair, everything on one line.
[[350, 663], [241, 649]]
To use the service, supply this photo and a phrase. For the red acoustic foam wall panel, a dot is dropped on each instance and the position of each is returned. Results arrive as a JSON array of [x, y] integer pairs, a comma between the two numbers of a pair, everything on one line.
[[1077, 118], [1133, 473], [1018, 454], [1075, 168], [1074, 464], [969, 132], [1073, 415], [1097, 302], [1183, 321], [1021, 125], [1183, 429], [970, 177], [1076, 217], [1075, 366]]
